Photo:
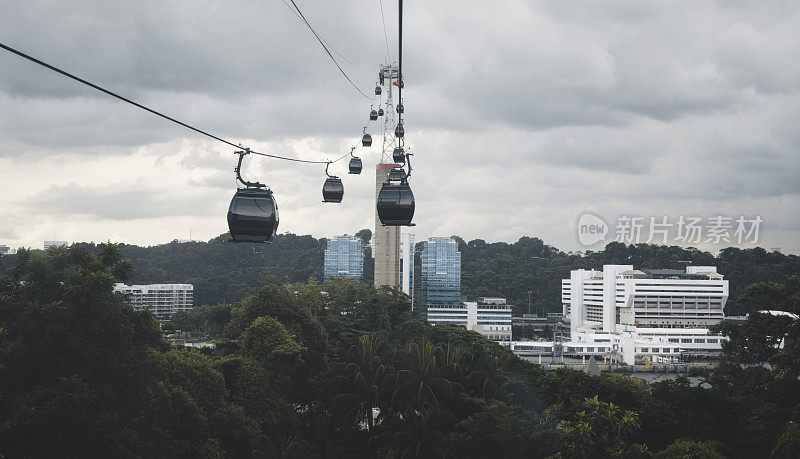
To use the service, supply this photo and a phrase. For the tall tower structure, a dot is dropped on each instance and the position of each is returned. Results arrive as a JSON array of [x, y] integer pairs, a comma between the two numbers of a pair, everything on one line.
[[387, 238]]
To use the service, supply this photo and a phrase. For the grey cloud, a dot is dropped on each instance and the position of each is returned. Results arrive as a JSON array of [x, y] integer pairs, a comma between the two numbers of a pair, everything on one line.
[[521, 114], [118, 202]]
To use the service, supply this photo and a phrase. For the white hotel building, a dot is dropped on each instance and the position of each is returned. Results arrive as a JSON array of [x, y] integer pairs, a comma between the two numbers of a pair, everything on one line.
[[491, 317], [652, 314], [163, 300]]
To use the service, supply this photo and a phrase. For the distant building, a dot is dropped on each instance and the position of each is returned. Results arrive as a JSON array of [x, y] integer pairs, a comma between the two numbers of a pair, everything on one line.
[[163, 300], [407, 265], [48, 244], [440, 274], [664, 298], [538, 325], [491, 317], [651, 314], [5, 250], [344, 256]]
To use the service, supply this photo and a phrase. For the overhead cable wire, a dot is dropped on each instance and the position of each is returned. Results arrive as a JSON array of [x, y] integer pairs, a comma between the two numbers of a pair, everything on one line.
[[148, 109], [400, 57], [385, 36], [327, 42], [328, 51]]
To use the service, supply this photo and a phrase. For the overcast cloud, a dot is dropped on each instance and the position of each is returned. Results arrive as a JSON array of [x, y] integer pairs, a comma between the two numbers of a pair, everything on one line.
[[522, 115]]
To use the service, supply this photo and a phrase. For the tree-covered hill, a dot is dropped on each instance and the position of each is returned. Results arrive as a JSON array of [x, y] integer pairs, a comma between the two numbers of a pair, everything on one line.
[[221, 271], [224, 272]]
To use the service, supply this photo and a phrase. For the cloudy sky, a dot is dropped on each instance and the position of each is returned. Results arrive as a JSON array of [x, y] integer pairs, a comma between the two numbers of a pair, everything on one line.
[[523, 116]]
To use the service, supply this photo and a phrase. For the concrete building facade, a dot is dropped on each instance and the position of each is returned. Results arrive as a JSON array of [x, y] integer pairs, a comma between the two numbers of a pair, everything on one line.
[[652, 314], [656, 298], [491, 317], [407, 265]]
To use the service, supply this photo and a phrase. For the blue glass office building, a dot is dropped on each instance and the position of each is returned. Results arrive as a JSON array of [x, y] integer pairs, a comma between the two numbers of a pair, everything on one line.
[[344, 257], [440, 277]]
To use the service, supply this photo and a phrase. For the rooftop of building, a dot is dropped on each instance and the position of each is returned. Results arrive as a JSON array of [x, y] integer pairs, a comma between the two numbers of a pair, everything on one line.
[[120, 286], [691, 273], [673, 274]]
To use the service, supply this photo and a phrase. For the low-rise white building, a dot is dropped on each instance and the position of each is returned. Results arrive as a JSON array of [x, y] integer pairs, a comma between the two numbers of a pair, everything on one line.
[[491, 317], [163, 300]]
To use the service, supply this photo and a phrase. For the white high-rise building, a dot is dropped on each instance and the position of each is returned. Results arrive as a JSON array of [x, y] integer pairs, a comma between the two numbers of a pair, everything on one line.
[[654, 298], [650, 313], [163, 300]]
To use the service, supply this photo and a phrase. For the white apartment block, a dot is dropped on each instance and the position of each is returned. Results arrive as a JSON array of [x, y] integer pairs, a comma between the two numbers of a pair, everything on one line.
[[163, 300], [491, 317]]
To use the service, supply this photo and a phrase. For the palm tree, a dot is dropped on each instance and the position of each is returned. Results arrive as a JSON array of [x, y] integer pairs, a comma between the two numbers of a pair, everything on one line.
[[600, 429], [364, 381], [420, 382], [450, 359], [418, 435], [484, 371]]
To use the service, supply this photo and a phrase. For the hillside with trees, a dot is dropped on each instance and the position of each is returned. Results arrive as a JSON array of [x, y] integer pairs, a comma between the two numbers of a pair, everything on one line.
[[222, 272], [344, 370]]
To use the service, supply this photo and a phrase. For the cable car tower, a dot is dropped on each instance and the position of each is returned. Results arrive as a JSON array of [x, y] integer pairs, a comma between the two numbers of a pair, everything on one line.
[[387, 74], [387, 238]]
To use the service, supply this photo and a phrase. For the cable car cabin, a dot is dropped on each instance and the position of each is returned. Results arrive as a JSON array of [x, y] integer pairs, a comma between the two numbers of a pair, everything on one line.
[[378, 90], [253, 215], [332, 190], [373, 115], [398, 155], [396, 204], [400, 108], [366, 140], [396, 175], [399, 131], [355, 165], [380, 112]]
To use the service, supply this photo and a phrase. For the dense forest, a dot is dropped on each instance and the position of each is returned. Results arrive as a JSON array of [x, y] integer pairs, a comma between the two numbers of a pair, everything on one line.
[[222, 272], [343, 370]]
